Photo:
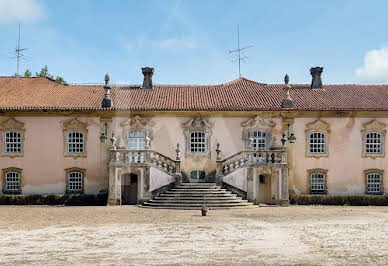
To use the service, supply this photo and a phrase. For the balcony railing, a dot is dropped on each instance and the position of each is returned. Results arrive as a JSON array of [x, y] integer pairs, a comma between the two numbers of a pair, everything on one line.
[[248, 158], [124, 157]]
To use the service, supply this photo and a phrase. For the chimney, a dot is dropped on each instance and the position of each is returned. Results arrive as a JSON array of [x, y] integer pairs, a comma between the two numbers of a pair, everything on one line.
[[316, 82], [147, 72], [107, 101]]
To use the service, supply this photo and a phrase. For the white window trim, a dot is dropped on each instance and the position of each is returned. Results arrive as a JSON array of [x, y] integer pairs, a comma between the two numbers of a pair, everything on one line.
[[206, 142], [324, 153], [380, 143], [138, 140], [310, 174], [20, 177], [251, 139], [69, 143], [5, 142], [378, 172], [69, 183]]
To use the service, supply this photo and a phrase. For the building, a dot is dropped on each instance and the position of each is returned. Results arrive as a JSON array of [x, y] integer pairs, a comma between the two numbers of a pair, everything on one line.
[[138, 140]]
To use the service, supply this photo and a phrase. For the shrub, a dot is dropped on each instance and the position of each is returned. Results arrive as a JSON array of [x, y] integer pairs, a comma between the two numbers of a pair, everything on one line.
[[352, 200]]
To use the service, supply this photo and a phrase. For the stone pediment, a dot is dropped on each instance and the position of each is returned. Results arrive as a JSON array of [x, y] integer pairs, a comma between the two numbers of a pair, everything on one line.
[[74, 124], [197, 124], [318, 125], [12, 123], [373, 125], [138, 123], [258, 123]]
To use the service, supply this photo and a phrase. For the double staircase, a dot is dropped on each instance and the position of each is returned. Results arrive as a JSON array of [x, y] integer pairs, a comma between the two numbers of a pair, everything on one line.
[[192, 196]]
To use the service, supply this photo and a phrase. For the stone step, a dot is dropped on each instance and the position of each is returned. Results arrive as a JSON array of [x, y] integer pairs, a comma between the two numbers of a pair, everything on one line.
[[198, 198], [197, 187], [199, 201], [197, 208], [197, 184], [223, 204], [198, 190]]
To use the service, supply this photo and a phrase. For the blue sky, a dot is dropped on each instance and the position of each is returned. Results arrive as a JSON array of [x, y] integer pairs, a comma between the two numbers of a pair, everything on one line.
[[188, 41]]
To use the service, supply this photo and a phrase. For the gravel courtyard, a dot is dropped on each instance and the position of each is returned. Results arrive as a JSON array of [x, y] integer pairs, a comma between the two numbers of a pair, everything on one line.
[[131, 235]]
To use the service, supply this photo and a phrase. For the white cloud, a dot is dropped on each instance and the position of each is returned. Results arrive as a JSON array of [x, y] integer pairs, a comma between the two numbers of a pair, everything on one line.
[[174, 44], [138, 43], [21, 11], [375, 68]]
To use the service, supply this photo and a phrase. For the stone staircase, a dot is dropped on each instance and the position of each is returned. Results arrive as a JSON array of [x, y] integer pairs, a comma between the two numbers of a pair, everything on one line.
[[192, 196]]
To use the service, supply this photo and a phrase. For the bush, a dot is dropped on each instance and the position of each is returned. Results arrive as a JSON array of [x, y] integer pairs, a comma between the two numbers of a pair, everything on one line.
[[68, 199], [352, 200]]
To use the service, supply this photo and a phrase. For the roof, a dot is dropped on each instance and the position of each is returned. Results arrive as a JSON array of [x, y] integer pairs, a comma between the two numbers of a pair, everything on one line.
[[238, 95]]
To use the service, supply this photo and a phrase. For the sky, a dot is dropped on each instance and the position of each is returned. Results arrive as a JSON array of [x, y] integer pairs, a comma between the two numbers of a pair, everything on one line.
[[188, 42]]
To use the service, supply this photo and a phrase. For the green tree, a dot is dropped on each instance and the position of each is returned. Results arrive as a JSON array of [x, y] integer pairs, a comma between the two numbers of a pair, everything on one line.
[[45, 73], [27, 73]]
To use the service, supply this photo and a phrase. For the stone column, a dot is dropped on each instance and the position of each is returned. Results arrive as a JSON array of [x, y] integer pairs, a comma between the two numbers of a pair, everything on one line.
[[285, 195], [114, 192], [250, 184]]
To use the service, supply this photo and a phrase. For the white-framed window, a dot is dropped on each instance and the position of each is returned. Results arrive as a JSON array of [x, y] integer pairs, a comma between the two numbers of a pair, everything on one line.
[[13, 142], [373, 143], [75, 181], [75, 142], [137, 140], [12, 181], [258, 140], [373, 183], [317, 182], [317, 143], [198, 142]]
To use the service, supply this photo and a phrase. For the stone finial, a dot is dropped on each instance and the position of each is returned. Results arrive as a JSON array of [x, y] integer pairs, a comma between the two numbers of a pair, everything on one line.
[[113, 140], [218, 151], [178, 152], [286, 79], [107, 101]]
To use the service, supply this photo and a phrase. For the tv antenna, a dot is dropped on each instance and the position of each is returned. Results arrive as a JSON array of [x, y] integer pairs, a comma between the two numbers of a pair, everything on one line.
[[238, 51], [18, 52]]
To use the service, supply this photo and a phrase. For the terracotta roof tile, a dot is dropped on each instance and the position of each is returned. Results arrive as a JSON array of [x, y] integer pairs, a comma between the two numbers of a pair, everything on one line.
[[240, 94]]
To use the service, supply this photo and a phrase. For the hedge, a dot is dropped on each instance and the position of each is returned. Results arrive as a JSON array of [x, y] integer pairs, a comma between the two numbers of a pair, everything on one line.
[[355, 200], [68, 200]]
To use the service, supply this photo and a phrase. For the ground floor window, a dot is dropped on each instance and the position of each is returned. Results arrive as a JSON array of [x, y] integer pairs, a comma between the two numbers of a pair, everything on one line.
[[75, 182], [373, 183], [12, 182], [317, 182]]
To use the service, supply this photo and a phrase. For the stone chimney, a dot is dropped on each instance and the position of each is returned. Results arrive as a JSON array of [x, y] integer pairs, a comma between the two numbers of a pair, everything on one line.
[[147, 72], [107, 101], [316, 82]]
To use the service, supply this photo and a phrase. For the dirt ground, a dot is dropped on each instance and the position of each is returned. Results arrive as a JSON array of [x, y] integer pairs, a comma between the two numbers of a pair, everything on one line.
[[136, 236]]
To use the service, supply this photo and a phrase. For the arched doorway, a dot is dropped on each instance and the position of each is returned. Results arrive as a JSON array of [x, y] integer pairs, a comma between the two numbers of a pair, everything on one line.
[[129, 189]]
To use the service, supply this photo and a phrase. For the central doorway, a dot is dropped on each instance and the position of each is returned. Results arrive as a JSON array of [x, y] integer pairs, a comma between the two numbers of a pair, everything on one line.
[[197, 177], [129, 189]]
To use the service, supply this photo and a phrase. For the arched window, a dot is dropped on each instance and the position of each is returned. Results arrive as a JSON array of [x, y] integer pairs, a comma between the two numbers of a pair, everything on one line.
[[373, 143], [75, 181], [258, 140], [317, 143], [317, 182], [75, 142], [137, 140], [13, 142], [198, 142], [373, 183], [12, 181]]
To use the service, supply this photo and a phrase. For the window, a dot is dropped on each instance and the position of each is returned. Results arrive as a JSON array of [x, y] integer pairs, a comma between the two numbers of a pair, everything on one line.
[[75, 142], [12, 181], [317, 143], [373, 143], [137, 140], [373, 183], [258, 140], [317, 182], [75, 181], [197, 142], [13, 142], [197, 176]]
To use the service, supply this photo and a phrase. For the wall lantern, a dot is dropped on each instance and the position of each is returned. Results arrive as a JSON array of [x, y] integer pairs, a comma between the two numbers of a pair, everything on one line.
[[289, 134]]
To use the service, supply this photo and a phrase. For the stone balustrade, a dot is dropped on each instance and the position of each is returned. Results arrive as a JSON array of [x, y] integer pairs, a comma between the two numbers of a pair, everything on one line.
[[276, 158], [125, 157]]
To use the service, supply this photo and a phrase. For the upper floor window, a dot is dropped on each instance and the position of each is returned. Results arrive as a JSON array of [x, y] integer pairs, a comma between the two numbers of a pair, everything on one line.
[[12, 180], [198, 142], [258, 140], [317, 180], [137, 140], [75, 142], [317, 143], [75, 181], [13, 142], [373, 143], [374, 182]]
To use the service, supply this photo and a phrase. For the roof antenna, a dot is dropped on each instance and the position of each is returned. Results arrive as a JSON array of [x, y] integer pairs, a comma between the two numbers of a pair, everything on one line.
[[238, 51], [19, 54]]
